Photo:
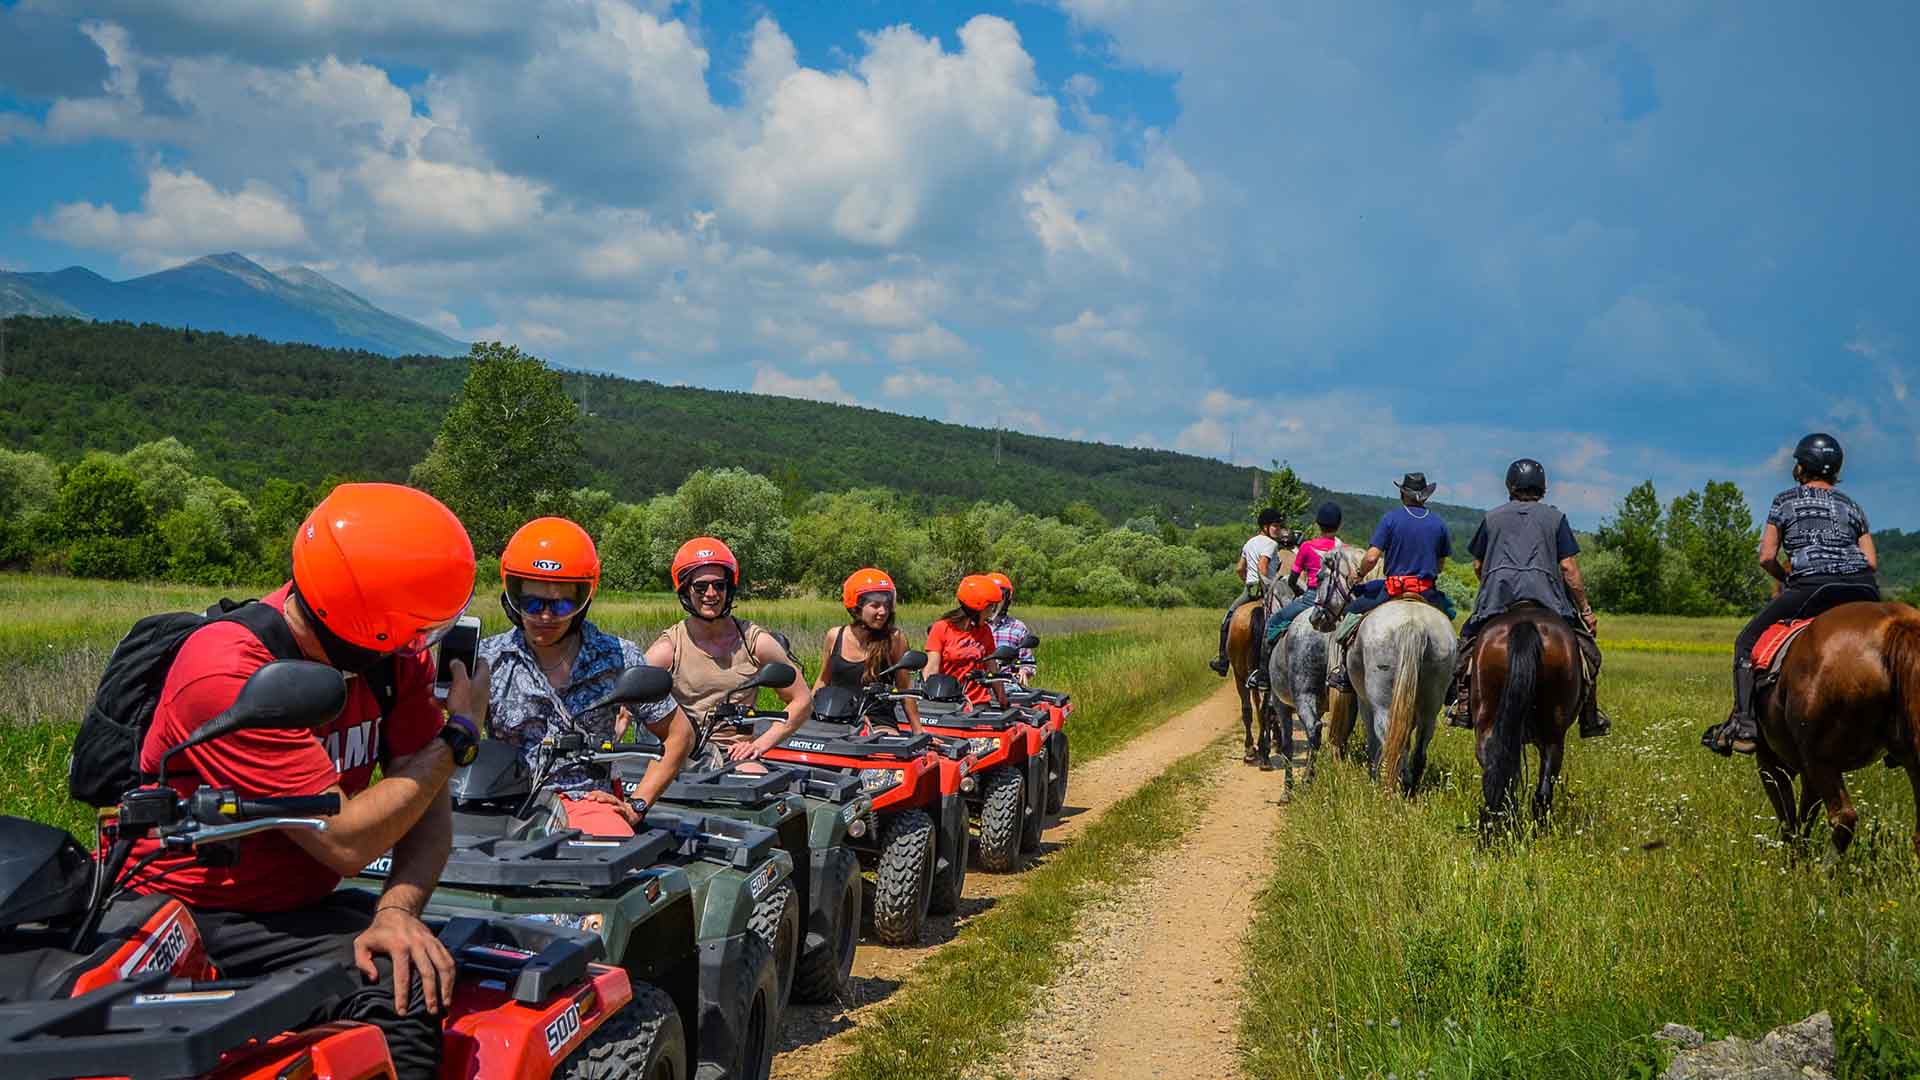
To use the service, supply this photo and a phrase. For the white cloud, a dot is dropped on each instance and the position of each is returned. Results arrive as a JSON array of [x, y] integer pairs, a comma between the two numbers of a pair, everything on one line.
[[1114, 332], [181, 216], [821, 386], [932, 343], [412, 195], [888, 303]]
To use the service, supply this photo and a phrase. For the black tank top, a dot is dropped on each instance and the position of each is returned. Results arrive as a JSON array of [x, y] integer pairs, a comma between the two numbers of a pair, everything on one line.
[[842, 672]]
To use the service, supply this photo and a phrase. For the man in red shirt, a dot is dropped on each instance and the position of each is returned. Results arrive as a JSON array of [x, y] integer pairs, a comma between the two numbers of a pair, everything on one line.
[[379, 573]]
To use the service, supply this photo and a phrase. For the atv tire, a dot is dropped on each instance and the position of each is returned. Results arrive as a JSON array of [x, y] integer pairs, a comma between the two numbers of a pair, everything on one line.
[[826, 974], [756, 989], [1059, 756], [950, 883], [1003, 814], [644, 1041], [776, 918], [903, 880]]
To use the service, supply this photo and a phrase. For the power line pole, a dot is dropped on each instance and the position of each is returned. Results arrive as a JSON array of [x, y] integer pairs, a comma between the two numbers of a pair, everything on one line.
[[996, 442]]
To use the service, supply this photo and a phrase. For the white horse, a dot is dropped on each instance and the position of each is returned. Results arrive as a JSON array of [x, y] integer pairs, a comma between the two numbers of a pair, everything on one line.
[[1297, 671], [1400, 663]]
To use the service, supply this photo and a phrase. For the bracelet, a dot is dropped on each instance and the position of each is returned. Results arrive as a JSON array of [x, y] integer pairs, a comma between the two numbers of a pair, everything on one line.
[[395, 907]]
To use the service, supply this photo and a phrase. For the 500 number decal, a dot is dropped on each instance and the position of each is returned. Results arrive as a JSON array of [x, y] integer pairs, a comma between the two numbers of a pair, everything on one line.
[[564, 1027]]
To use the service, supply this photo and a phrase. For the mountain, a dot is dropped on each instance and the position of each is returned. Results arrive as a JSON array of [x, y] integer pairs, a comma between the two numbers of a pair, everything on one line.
[[229, 293], [254, 410]]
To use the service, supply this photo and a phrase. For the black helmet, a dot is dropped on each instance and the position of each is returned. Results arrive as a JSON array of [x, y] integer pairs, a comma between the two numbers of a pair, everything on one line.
[[1289, 538], [1527, 477], [1328, 516], [1270, 516], [1820, 454]]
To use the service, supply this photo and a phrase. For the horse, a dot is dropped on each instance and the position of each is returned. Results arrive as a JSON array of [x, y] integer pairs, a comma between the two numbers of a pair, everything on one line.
[[1526, 672], [1848, 695], [1400, 663], [1297, 672], [1243, 658]]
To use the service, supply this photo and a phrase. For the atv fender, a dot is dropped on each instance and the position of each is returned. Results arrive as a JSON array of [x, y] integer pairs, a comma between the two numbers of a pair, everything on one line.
[[823, 915], [722, 1030], [490, 1034], [1036, 767], [951, 823]]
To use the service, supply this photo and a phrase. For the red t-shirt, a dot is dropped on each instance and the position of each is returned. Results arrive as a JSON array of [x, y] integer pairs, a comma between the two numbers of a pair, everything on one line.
[[962, 652], [272, 873]]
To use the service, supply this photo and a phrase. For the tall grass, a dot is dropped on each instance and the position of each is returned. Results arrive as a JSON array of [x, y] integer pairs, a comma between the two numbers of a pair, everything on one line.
[[1389, 942], [1123, 666]]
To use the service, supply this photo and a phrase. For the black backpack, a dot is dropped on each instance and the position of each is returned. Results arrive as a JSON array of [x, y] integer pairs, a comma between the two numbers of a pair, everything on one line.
[[106, 752]]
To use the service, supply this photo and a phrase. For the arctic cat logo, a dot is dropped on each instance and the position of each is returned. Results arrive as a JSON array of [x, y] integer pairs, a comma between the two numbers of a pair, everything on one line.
[[355, 747], [546, 564], [161, 954], [382, 866], [805, 744], [564, 1027]]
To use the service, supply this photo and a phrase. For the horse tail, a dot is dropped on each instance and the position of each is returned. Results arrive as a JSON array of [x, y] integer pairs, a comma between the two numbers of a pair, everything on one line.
[[1409, 642], [1902, 657], [1509, 738]]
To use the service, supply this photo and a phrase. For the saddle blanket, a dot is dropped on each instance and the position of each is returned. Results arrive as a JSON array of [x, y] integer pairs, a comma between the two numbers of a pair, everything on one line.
[[1772, 646]]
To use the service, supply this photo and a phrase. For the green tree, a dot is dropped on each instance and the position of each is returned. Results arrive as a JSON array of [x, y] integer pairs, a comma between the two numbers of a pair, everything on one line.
[[1083, 515], [1283, 491], [28, 484], [1682, 592], [589, 508], [626, 551], [839, 533], [739, 507], [165, 468], [1634, 535], [508, 448], [101, 511], [1727, 548]]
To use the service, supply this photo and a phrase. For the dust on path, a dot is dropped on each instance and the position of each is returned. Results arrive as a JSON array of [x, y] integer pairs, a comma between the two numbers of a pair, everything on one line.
[[1151, 983], [814, 1037]]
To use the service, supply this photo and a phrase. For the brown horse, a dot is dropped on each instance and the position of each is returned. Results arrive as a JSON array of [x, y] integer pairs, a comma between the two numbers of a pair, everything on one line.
[[1243, 654], [1848, 695], [1526, 689]]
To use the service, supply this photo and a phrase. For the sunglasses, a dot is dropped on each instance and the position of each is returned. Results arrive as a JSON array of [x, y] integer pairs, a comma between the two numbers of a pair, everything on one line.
[[558, 607], [716, 586]]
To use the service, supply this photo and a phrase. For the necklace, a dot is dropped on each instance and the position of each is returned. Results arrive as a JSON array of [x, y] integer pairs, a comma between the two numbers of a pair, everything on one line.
[[560, 670], [1418, 513]]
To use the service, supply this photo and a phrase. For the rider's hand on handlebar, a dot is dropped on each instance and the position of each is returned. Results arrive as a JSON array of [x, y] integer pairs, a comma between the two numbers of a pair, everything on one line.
[[622, 720], [413, 949], [745, 750], [627, 812], [470, 692]]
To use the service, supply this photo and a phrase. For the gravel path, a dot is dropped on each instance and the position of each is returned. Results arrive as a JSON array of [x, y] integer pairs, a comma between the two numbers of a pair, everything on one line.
[[812, 1037]]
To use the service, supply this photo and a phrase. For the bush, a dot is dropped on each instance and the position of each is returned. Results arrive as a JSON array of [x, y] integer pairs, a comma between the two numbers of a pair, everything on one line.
[[741, 508], [28, 484], [102, 499], [626, 556], [117, 557]]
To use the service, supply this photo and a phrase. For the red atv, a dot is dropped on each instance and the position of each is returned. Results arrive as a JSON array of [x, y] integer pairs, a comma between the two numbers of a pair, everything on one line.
[[918, 846], [1058, 706], [1009, 745], [98, 988]]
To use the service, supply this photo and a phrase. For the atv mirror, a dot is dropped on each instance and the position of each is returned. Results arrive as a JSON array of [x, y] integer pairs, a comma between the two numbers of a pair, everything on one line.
[[1031, 641], [282, 695], [641, 685], [1006, 654], [912, 660], [775, 675]]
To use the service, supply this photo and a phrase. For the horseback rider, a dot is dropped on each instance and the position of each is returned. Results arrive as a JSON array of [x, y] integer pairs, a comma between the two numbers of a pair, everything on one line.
[[1828, 545], [1307, 561], [1414, 543], [1256, 567], [1525, 552]]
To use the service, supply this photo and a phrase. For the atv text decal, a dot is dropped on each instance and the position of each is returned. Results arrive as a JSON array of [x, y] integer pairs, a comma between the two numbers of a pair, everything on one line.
[[564, 1027], [357, 750], [805, 744], [163, 951]]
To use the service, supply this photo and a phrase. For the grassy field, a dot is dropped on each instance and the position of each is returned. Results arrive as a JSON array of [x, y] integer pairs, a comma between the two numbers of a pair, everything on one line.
[[1390, 943], [1122, 666]]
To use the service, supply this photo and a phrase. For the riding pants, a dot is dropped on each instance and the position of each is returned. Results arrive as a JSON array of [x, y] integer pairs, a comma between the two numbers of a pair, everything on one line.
[[1247, 596], [1801, 599], [250, 944]]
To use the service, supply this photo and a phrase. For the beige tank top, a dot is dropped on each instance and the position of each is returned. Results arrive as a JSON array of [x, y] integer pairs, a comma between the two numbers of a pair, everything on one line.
[[701, 682]]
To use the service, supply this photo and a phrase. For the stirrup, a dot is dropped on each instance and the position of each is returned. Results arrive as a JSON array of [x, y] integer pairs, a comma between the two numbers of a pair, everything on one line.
[[1458, 715], [1337, 680]]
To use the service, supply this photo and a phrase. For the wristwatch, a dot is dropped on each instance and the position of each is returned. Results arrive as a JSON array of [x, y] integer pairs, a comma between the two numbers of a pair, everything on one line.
[[461, 738]]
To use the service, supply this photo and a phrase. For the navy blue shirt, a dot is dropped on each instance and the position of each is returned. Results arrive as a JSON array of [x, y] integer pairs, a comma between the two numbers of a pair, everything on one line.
[[1413, 540]]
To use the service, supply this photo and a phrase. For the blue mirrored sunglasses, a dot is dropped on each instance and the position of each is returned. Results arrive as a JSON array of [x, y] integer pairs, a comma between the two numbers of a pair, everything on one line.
[[559, 608]]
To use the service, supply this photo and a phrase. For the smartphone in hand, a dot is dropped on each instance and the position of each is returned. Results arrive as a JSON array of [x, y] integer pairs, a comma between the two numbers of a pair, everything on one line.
[[461, 643]]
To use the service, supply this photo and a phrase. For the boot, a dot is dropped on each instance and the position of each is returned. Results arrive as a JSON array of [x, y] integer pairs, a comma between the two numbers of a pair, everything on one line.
[[1593, 722], [1219, 662], [1459, 708], [1744, 732]]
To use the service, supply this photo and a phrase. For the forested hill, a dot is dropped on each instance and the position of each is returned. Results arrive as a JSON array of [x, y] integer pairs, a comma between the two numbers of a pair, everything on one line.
[[254, 410]]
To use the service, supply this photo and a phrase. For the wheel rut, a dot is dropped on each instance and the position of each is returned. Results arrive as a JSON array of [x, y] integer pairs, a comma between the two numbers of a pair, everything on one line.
[[814, 1037]]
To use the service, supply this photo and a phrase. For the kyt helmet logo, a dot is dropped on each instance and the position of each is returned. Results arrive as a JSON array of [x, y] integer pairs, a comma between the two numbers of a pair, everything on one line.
[[546, 564], [703, 553]]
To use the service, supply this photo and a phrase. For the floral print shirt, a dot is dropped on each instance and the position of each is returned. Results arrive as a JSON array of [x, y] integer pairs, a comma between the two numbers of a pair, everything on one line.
[[524, 708], [1008, 630]]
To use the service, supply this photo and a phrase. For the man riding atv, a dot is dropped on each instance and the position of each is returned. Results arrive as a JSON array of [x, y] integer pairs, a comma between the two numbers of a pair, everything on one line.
[[1525, 552], [379, 573]]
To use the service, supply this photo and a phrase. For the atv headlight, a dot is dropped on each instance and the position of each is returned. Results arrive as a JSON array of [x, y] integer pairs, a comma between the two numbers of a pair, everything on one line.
[[875, 781], [983, 745]]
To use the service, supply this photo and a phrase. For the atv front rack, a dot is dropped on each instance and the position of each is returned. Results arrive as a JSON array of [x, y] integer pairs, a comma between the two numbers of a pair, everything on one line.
[[151, 1025], [840, 740], [562, 859], [534, 959], [730, 787], [723, 840]]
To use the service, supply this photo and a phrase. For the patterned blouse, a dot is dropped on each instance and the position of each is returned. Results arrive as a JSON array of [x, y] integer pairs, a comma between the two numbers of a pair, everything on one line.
[[1008, 630], [1820, 530], [524, 707]]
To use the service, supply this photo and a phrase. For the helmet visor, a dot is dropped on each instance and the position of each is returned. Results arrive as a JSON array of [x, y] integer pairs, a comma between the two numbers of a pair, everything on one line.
[[536, 597], [428, 636]]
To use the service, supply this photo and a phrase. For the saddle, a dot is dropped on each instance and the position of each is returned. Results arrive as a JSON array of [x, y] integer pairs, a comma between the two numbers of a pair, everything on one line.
[[1771, 650]]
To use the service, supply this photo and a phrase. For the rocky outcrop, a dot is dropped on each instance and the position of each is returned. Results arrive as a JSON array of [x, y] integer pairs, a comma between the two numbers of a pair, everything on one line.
[[1802, 1051]]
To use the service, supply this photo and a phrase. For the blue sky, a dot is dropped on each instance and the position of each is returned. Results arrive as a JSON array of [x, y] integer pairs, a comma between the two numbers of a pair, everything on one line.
[[1635, 240]]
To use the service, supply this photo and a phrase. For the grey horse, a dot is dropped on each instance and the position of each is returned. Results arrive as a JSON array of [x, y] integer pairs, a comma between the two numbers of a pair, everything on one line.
[[1297, 671]]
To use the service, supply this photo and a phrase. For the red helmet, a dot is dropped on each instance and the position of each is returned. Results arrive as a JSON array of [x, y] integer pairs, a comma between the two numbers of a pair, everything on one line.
[[703, 551], [863, 582], [976, 591], [383, 567], [1005, 583]]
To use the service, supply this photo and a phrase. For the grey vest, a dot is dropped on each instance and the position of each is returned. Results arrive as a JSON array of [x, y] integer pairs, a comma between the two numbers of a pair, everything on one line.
[[1520, 563]]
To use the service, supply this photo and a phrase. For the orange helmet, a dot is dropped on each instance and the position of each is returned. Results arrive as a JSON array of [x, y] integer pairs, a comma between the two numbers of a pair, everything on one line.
[[1005, 583], [704, 551], [976, 591], [384, 568], [552, 549], [863, 582]]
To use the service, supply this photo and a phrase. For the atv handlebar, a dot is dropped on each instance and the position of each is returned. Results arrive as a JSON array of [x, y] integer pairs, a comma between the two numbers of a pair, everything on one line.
[[213, 834], [296, 806]]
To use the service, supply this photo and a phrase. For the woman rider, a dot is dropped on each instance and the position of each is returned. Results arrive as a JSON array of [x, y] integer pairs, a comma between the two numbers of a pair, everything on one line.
[[1306, 564], [711, 652], [960, 641], [552, 670], [1829, 548], [854, 661], [1008, 630]]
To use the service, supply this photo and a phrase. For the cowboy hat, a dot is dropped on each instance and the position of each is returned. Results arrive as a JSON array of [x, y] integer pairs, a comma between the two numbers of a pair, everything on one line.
[[1415, 484]]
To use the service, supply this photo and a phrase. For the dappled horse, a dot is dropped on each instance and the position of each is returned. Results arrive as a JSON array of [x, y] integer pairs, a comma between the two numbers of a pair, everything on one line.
[[1526, 690], [1847, 695], [1297, 671], [1400, 663]]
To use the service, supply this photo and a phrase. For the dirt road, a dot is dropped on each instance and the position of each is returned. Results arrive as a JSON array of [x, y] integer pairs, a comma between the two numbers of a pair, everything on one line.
[[813, 1036]]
